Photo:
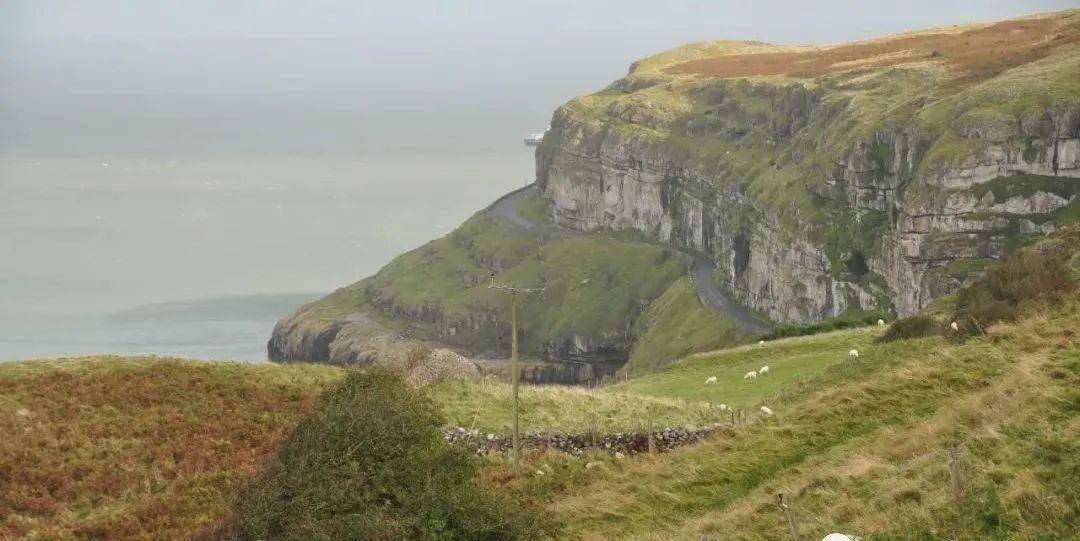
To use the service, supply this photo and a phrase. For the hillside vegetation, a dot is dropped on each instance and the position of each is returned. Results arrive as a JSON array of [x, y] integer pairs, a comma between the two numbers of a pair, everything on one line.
[[138, 448], [118, 448], [862, 448], [605, 296], [371, 464]]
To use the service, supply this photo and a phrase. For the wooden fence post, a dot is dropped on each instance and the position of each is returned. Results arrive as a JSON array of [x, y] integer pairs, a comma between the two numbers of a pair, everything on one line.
[[954, 473], [795, 536]]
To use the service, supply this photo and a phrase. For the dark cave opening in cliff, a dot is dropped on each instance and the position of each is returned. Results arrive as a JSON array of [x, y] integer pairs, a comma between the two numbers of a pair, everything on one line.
[[740, 245], [856, 264]]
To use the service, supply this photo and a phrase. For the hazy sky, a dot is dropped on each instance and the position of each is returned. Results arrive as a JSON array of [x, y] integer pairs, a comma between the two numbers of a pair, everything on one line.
[[167, 151], [146, 76]]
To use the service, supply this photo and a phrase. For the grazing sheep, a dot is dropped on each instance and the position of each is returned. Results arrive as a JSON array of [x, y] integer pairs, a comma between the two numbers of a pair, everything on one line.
[[723, 407], [765, 410], [761, 342], [854, 354], [954, 326], [711, 380], [763, 370], [881, 323], [750, 375]]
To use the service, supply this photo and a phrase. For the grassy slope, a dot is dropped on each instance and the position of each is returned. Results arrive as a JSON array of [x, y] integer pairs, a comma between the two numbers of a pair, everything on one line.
[[145, 448], [141, 448], [595, 285], [138, 448], [675, 325], [486, 406], [860, 446], [789, 360]]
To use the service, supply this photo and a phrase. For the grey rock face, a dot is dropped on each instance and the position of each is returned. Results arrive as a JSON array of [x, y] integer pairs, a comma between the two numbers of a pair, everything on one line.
[[599, 177]]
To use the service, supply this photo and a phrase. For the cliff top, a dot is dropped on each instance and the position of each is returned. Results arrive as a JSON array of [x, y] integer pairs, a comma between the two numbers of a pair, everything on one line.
[[975, 50], [777, 119]]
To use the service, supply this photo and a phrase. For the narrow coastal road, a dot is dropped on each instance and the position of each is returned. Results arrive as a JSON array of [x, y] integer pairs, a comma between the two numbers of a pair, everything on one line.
[[505, 209], [701, 274], [701, 268]]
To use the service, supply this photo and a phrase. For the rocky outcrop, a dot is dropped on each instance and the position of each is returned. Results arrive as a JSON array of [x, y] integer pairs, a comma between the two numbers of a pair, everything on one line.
[[792, 238], [358, 339]]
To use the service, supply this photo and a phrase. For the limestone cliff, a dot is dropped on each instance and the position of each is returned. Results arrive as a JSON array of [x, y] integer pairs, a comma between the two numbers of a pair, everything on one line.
[[816, 180], [865, 175]]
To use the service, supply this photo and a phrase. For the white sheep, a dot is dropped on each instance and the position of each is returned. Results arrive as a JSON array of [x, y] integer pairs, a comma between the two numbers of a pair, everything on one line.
[[723, 407], [750, 375], [763, 370], [711, 380], [761, 342], [765, 410], [619, 455], [839, 537], [539, 473], [881, 323], [954, 326], [592, 465], [854, 354]]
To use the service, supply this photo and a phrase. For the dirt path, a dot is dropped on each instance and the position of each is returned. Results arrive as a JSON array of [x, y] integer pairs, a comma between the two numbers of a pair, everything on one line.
[[701, 268]]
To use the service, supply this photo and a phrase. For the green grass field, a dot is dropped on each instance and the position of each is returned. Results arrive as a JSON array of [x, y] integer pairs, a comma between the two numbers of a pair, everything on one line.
[[789, 360]]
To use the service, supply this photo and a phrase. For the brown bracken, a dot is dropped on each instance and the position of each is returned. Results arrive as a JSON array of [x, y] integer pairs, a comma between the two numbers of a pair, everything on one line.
[[975, 54]]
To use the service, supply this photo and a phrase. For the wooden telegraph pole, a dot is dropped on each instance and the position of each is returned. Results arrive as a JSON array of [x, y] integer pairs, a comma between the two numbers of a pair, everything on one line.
[[515, 293]]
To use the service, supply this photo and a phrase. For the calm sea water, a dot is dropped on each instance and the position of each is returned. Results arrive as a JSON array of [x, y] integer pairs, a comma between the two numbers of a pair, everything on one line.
[[199, 258]]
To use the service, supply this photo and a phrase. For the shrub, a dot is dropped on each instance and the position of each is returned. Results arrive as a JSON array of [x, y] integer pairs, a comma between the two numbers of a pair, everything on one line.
[[849, 319], [910, 327], [371, 464], [1028, 279]]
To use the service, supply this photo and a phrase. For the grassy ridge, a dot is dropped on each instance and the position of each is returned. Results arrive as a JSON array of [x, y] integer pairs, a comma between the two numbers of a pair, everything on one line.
[[138, 448]]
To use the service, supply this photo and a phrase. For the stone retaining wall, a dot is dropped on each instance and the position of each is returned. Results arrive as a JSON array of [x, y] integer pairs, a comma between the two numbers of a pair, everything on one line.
[[623, 442]]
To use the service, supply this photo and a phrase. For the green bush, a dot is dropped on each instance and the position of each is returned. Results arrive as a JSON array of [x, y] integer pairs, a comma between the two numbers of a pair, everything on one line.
[[910, 327], [849, 319], [371, 464], [1028, 279]]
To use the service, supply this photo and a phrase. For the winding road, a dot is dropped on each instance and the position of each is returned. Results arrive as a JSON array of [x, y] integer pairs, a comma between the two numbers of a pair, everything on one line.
[[701, 268]]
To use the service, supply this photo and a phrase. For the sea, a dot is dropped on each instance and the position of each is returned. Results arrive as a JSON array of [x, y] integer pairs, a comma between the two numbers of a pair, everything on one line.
[[199, 257]]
